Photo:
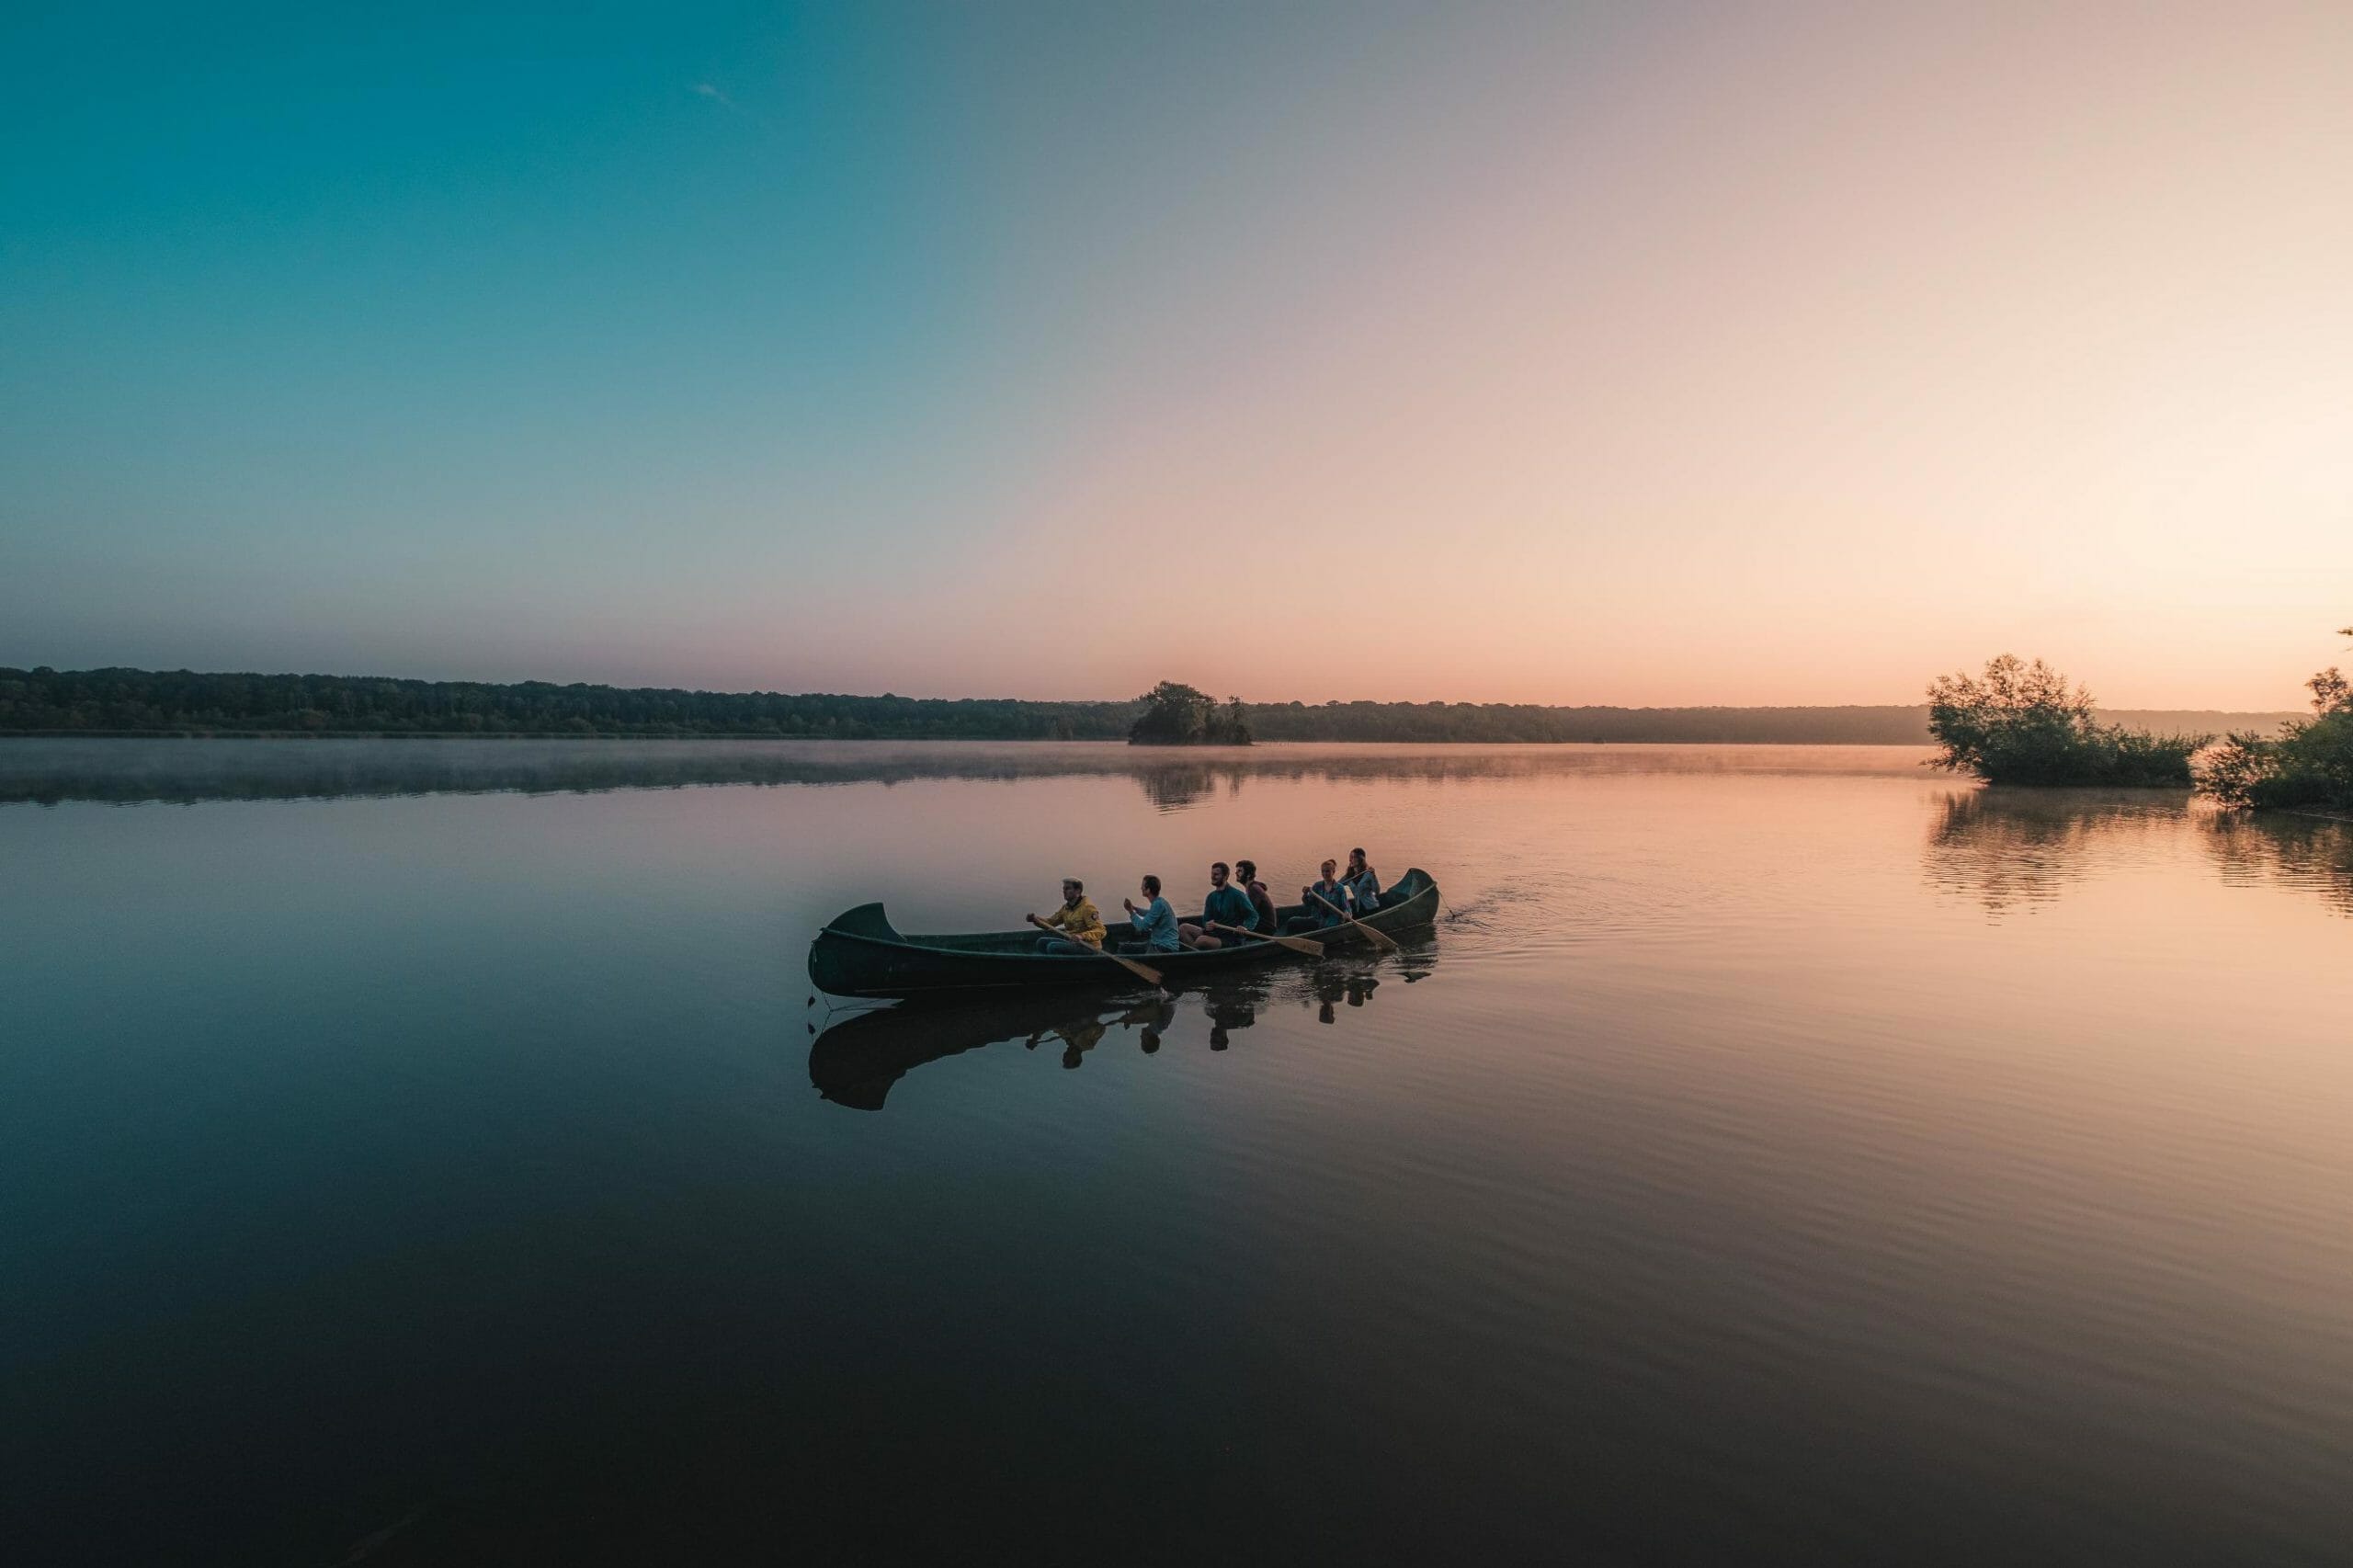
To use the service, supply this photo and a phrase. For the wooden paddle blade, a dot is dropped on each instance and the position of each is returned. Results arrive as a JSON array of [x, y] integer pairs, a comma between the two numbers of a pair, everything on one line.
[[1296, 944], [1351, 923], [1149, 976]]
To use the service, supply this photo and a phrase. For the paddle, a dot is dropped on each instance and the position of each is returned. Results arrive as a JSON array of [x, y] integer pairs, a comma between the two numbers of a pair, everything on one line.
[[1296, 944], [1380, 937], [1149, 977]]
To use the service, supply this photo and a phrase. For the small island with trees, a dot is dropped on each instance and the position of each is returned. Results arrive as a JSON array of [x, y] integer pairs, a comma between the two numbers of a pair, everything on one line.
[[2024, 724], [1177, 715]]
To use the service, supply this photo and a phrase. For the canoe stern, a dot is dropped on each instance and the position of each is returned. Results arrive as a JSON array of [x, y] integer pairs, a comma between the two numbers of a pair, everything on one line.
[[846, 968]]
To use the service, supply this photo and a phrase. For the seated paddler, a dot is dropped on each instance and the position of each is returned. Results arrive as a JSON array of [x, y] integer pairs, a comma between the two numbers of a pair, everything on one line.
[[1363, 884], [1156, 922], [1262, 903], [1327, 901], [1226, 905], [1080, 927]]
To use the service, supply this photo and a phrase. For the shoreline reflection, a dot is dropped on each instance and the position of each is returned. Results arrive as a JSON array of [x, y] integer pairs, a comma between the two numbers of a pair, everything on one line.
[[48, 770], [2009, 848], [2313, 854], [2014, 850]]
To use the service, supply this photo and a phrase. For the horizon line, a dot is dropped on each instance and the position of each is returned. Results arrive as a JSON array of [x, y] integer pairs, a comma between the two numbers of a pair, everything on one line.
[[8, 670]]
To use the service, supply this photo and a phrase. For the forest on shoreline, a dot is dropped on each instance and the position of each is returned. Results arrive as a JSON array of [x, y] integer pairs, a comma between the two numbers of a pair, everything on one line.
[[187, 702], [160, 702]]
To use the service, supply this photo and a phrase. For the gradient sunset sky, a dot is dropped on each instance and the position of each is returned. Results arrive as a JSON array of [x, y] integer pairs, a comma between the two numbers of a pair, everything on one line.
[[1624, 353]]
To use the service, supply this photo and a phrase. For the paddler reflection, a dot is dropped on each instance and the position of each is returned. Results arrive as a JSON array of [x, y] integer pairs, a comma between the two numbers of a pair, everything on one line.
[[1332, 985], [861, 1056]]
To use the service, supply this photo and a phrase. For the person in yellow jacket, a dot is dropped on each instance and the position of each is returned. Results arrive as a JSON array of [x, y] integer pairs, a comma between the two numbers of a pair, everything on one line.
[[1077, 920]]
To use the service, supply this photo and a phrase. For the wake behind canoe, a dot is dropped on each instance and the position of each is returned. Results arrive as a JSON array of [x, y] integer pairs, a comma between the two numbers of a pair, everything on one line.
[[860, 953]]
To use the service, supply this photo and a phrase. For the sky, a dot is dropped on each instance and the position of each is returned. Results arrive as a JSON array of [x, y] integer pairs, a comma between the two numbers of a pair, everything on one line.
[[1653, 354]]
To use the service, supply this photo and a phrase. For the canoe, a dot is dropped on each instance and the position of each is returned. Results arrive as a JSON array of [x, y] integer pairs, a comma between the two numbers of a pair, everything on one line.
[[859, 953]]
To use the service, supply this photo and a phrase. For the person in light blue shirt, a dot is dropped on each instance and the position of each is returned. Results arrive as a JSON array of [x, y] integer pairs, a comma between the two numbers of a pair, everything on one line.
[[1156, 922], [1327, 901], [1363, 884]]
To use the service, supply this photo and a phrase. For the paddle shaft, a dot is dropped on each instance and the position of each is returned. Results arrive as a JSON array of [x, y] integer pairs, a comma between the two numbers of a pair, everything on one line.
[[1149, 976], [1296, 944], [1381, 937]]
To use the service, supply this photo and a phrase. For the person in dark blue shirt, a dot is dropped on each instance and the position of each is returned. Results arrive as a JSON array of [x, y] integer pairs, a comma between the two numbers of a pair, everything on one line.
[[1226, 905], [1262, 903], [1363, 884]]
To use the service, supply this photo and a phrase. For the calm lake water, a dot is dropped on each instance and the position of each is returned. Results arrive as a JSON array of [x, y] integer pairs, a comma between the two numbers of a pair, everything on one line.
[[420, 1152]]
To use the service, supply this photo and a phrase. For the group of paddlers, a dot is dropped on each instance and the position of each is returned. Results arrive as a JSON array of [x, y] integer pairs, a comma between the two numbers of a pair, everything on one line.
[[1237, 909]]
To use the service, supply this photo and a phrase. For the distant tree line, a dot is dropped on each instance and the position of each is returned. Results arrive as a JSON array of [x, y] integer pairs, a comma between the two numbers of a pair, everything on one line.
[[182, 701], [1504, 722]]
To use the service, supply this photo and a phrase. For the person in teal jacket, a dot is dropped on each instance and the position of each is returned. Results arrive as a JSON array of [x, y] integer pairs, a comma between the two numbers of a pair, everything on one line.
[[1363, 884], [1226, 905]]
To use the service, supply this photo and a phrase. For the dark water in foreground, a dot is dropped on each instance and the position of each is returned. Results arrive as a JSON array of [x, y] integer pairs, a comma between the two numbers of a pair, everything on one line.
[[1775, 1155]]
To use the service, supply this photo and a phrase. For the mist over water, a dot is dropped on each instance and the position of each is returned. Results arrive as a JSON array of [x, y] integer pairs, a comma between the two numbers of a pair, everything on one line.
[[1771, 1153]]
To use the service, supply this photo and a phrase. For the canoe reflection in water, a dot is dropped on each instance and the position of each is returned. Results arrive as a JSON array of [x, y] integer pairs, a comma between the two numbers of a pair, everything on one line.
[[859, 1055]]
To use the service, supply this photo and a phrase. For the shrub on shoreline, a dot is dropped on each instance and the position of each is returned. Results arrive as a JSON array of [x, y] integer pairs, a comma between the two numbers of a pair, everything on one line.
[[2021, 723], [2308, 766]]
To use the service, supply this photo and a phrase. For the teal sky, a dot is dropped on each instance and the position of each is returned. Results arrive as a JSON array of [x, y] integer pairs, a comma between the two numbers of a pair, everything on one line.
[[1629, 354]]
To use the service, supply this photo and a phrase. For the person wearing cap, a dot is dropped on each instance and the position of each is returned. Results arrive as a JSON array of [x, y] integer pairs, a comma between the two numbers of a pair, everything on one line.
[[1080, 926]]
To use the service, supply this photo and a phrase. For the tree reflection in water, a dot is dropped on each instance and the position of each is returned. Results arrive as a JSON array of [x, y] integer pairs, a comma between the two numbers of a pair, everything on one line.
[[2276, 850], [856, 1058], [1175, 787], [2012, 847]]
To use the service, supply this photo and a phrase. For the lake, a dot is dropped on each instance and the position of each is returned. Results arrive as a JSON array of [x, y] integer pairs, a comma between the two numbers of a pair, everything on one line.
[[426, 1152]]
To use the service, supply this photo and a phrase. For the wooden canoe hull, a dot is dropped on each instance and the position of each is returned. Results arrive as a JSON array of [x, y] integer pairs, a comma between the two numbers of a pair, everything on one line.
[[859, 953]]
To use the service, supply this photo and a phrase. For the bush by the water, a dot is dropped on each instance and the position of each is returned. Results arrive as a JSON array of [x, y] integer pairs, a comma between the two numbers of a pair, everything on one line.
[[2308, 766], [2022, 723], [1176, 715]]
